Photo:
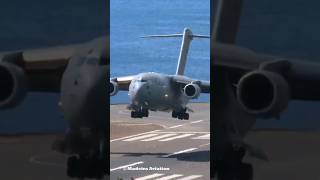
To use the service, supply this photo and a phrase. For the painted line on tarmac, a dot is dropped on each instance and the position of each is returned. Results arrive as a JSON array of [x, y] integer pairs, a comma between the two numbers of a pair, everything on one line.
[[194, 122], [34, 160], [119, 139], [125, 166], [172, 127], [180, 152]]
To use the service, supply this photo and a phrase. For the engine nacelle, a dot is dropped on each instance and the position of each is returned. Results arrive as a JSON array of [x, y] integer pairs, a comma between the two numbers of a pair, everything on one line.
[[13, 85], [192, 91], [263, 93], [114, 88]]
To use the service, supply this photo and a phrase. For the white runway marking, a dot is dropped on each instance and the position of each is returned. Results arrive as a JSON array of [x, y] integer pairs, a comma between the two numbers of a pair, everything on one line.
[[204, 145], [125, 166], [118, 139], [163, 136], [207, 136], [140, 137], [190, 177], [149, 176], [191, 132], [159, 137], [176, 137], [194, 122], [34, 159], [180, 152], [172, 127], [170, 177], [136, 124]]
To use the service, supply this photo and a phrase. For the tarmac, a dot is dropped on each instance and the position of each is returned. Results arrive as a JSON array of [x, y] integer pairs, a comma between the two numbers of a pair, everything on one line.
[[160, 147], [30, 157]]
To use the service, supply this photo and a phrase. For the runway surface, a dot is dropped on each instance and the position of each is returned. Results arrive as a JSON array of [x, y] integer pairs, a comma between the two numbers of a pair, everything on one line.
[[160, 147], [292, 154], [29, 157]]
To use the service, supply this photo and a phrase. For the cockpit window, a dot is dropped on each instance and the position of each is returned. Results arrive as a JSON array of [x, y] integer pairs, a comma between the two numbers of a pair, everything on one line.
[[140, 79]]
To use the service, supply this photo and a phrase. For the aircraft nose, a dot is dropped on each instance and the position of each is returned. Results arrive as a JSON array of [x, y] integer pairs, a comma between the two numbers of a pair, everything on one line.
[[139, 91]]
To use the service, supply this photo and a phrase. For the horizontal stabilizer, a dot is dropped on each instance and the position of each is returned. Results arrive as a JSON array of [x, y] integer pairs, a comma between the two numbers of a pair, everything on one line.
[[174, 35]]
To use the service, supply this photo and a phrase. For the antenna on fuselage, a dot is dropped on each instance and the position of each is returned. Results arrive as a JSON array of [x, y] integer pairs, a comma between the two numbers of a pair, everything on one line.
[[187, 36]]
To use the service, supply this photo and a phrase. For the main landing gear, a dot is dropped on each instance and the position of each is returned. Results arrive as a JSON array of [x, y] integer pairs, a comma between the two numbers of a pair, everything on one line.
[[180, 115], [86, 167], [232, 167], [140, 113], [88, 150]]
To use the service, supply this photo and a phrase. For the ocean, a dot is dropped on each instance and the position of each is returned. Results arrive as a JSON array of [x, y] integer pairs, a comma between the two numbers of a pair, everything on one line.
[[131, 54]]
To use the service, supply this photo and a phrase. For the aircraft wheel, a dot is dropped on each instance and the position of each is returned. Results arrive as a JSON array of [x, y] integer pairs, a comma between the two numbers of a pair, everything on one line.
[[135, 114], [245, 171], [174, 114], [71, 169], [145, 112], [132, 114], [186, 116], [75, 167], [140, 114]]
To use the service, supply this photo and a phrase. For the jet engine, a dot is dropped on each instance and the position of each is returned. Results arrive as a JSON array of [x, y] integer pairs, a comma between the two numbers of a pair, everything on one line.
[[13, 85], [113, 89], [263, 93], [192, 91]]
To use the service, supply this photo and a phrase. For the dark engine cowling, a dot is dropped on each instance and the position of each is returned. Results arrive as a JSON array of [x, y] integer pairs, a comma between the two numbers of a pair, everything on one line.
[[13, 85], [192, 91], [263, 93], [113, 89]]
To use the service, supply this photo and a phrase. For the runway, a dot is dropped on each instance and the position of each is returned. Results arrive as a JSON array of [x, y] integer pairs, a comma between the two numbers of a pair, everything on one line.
[[30, 157], [160, 147]]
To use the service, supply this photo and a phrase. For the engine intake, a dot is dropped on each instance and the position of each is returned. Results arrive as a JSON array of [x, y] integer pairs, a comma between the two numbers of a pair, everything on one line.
[[263, 93], [13, 85], [114, 88], [192, 90]]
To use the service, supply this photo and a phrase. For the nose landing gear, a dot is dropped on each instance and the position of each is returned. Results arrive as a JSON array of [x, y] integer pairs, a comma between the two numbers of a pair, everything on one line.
[[88, 150]]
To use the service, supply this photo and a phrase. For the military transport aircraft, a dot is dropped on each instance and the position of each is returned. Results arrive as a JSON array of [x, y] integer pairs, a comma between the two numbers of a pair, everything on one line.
[[79, 73], [248, 86], [162, 92]]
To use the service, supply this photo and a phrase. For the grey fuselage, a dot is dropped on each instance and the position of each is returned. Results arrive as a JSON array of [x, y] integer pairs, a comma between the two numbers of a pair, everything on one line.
[[156, 91]]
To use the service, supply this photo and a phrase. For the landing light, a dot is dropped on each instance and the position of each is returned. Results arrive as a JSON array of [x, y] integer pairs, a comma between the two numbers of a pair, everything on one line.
[[166, 95]]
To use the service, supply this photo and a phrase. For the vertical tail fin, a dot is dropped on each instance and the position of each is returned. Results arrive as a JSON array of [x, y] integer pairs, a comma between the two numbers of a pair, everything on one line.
[[187, 36]]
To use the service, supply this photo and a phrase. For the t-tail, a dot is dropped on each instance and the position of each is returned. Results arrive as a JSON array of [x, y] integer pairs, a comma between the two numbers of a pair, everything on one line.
[[187, 36]]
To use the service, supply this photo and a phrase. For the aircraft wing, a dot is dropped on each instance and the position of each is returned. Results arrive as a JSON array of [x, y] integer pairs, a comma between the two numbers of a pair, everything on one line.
[[43, 67], [204, 85], [123, 82], [302, 76]]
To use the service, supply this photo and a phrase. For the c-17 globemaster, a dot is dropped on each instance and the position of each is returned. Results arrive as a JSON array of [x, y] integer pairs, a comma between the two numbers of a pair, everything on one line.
[[78, 73], [162, 92]]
